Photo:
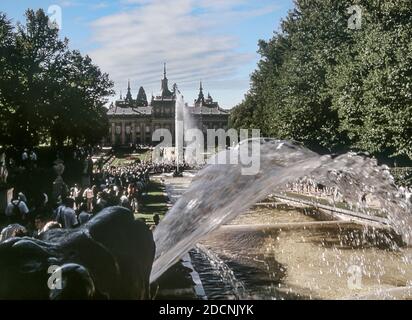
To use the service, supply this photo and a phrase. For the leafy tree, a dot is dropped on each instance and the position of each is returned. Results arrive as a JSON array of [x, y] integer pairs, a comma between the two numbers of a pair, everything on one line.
[[37, 48], [7, 77], [47, 92], [332, 87], [371, 86]]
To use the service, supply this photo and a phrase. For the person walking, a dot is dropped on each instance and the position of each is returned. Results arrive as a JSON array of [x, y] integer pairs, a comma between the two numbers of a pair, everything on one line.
[[88, 195]]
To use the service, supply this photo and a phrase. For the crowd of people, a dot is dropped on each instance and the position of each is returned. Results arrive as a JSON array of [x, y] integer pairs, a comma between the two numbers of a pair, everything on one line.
[[124, 185], [310, 187]]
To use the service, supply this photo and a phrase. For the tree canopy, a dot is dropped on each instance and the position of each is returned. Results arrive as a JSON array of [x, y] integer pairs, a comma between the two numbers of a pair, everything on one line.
[[332, 87], [48, 93]]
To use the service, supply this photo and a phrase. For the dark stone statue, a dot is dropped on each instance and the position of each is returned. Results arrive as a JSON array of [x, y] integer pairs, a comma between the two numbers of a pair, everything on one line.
[[110, 257]]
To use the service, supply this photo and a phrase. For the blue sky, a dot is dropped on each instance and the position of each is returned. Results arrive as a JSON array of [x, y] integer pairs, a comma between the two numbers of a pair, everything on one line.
[[210, 40]]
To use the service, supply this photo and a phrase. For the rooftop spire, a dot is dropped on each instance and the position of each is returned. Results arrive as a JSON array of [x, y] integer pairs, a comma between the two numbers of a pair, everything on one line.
[[165, 92], [201, 97], [129, 93], [141, 97]]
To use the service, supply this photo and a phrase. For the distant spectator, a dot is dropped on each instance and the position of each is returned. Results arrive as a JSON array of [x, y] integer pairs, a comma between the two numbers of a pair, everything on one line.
[[39, 223], [88, 195], [101, 201], [124, 200], [25, 157], [66, 216], [33, 158], [17, 209], [12, 231], [83, 215], [156, 220]]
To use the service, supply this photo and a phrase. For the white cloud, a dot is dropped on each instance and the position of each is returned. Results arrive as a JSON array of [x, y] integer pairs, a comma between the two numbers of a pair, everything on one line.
[[68, 3], [99, 5], [187, 34]]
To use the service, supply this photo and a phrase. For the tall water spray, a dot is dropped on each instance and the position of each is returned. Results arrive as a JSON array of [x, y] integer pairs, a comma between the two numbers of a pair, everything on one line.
[[179, 128]]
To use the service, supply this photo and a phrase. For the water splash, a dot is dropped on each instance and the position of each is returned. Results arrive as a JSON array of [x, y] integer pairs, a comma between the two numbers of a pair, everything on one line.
[[224, 272], [220, 192], [179, 128]]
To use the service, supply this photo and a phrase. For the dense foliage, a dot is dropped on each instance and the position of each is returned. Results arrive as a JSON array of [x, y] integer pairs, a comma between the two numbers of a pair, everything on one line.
[[333, 87], [48, 93]]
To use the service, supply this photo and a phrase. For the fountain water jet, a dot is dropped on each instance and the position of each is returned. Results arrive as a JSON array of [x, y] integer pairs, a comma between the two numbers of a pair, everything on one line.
[[179, 129], [220, 192]]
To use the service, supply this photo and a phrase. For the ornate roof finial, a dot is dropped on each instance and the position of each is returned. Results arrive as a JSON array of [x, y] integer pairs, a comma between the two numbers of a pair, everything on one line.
[[164, 91], [121, 95], [129, 93], [141, 97], [201, 97]]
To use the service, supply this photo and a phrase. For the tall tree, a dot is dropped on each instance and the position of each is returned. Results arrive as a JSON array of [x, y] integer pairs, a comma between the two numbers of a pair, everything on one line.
[[38, 46], [47, 92], [372, 84], [333, 87]]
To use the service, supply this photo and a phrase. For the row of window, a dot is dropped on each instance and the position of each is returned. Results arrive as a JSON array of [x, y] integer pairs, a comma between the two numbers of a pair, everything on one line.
[[148, 128], [215, 126], [137, 129], [162, 112]]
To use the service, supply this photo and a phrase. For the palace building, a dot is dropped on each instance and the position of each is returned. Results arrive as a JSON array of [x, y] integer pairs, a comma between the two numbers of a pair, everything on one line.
[[133, 121]]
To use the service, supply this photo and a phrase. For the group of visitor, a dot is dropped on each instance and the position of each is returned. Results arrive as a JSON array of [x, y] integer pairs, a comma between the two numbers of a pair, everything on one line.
[[309, 187], [29, 159], [111, 186]]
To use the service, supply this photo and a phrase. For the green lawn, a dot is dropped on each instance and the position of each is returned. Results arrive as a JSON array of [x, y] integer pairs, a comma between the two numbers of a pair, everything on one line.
[[127, 159], [155, 202]]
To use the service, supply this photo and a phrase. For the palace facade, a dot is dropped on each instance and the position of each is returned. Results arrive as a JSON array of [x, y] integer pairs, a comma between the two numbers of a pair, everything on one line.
[[133, 121]]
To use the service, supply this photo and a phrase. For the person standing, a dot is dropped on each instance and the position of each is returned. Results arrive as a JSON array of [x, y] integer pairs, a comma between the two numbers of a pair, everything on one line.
[[83, 216], [75, 194], [66, 217], [88, 195], [40, 222], [25, 158], [17, 210], [33, 159]]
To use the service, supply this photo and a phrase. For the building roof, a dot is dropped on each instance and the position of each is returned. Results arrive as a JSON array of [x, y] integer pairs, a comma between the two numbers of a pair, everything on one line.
[[140, 111], [205, 110], [129, 107]]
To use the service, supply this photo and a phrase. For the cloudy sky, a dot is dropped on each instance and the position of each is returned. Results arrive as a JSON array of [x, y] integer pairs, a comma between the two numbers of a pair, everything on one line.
[[210, 40]]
